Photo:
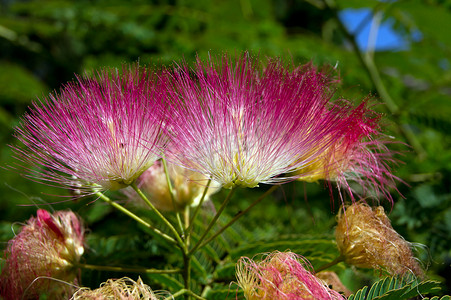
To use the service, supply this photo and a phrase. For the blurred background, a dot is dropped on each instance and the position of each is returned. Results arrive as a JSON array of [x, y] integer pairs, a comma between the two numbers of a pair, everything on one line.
[[397, 52]]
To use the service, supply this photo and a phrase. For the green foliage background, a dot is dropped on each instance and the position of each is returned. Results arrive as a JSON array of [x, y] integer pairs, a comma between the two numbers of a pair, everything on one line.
[[45, 43]]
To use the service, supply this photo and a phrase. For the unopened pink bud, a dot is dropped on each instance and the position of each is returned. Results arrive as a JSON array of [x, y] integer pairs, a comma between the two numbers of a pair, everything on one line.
[[281, 275], [366, 239], [47, 246]]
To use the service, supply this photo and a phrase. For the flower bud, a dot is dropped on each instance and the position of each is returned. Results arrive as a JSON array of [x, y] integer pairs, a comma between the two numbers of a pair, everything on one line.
[[281, 275], [333, 281], [124, 288], [188, 187], [47, 246], [366, 239]]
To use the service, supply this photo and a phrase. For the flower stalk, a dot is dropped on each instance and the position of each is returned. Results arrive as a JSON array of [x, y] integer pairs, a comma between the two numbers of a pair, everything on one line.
[[370, 66], [126, 269], [183, 292], [134, 217], [240, 214], [165, 221], [336, 261], [212, 222], [172, 194], [196, 211]]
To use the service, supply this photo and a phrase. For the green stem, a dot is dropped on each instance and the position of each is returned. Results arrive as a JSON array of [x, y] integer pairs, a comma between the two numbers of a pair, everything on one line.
[[171, 192], [339, 259], [187, 272], [183, 292], [132, 270], [135, 217], [168, 180], [239, 215], [196, 211], [213, 221], [186, 215], [171, 227], [373, 72]]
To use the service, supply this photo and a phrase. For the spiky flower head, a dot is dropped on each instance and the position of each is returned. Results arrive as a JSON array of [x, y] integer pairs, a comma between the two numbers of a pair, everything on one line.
[[99, 133], [187, 187], [281, 275], [119, 289], [366, 239], [47, 246], [242, 123], [360, 156]]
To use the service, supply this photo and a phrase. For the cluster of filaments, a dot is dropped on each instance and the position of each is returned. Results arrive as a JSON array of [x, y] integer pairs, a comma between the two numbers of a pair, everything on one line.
[[43, 257], [122, 289], [366, 239], [221, 124], [234, 122]]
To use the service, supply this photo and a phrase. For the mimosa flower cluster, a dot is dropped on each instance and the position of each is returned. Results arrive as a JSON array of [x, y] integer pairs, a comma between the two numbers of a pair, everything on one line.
[[239, 122], [98, 133], [177, 135], [244, 125], [333, 281]]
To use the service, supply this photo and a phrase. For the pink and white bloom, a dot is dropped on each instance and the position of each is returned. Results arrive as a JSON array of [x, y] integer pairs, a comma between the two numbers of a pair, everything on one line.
[[281, 275], [96, 134], [49, 245], [242, 124]]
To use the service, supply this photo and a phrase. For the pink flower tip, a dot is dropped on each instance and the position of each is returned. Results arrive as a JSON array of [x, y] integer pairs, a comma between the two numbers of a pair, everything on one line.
[[358, 155]]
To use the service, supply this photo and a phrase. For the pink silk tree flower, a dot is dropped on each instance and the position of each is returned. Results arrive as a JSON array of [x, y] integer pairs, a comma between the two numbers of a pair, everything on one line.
[[281, 275], [359, 156], [242, 124], [96, 134], [49, 245]]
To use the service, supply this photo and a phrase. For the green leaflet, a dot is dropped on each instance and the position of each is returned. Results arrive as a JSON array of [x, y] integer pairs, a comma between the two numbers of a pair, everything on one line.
[[434, 120], [319, 250], [446, 297], [167, 281], [219, 292], [396, 288]]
